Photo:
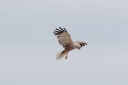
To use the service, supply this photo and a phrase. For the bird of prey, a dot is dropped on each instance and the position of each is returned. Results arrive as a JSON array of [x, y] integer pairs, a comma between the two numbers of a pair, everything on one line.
[[65, 40]]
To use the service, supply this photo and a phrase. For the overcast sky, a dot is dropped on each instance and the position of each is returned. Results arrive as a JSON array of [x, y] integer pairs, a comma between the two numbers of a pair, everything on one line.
[[28, 45]]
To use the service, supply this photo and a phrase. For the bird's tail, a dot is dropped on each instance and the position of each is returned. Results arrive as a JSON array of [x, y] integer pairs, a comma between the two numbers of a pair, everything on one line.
[[61, 54]]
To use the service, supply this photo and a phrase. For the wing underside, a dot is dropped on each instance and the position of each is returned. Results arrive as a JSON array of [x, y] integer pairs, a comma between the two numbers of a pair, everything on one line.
[[79, 44], [63, 37]]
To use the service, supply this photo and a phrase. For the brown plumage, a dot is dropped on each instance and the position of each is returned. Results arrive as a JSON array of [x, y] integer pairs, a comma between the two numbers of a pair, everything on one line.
[[65, 40]]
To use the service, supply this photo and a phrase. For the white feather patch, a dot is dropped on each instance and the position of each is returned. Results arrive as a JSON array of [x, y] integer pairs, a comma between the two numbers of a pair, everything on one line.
[[76, 45]]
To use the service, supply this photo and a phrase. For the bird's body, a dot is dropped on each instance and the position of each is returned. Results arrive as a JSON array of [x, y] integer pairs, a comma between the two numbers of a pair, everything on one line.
[[65, 40]]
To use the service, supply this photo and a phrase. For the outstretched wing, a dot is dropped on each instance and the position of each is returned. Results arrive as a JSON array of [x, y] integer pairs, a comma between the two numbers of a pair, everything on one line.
[[79, 44], [63, 37]]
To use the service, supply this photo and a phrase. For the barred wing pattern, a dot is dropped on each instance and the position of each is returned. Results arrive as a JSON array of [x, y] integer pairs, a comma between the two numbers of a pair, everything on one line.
[[79, 44], [63, 37]]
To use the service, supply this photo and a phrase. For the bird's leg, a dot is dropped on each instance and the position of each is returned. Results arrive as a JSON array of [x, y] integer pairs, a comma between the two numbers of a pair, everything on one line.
[[66, 56]]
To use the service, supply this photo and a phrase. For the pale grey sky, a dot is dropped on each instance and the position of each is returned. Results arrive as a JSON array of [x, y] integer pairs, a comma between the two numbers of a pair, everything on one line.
[[28, 46]]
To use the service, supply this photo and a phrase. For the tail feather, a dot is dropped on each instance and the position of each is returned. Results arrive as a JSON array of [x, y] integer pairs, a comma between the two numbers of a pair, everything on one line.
[[60, 55]]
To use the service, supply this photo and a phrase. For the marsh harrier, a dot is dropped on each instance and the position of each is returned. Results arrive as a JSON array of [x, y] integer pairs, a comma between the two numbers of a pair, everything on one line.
[[65, 40]]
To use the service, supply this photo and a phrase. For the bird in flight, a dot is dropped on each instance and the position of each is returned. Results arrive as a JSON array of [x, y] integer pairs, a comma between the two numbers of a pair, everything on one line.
[[65, 40]]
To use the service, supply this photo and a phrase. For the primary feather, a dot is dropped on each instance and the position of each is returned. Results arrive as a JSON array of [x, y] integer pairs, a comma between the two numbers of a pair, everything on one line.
[[65, 40]]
